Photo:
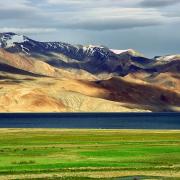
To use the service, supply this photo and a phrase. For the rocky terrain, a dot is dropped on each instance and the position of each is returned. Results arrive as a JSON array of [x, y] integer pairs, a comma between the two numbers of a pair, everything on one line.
[[59, 77]]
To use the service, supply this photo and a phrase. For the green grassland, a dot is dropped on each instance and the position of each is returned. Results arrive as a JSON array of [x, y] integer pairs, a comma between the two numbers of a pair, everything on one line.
[[89, 154]]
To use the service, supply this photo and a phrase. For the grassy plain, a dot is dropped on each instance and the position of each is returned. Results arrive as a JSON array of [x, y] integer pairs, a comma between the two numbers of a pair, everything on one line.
[[89, 154]]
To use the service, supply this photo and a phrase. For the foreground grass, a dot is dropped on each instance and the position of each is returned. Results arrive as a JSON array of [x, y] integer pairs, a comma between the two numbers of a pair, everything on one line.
[[87, 154]]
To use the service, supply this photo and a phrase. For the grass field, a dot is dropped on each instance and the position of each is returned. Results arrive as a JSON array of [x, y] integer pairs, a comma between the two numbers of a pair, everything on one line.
[[89, 154]]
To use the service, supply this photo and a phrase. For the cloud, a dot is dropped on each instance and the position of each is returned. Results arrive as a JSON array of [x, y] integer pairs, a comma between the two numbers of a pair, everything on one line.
[[67, 2], [27, 30], [103, 14], [94, 15], [115, 23], [158, 3], [111, 24], [19, 9], [93, 3], [109, 19]]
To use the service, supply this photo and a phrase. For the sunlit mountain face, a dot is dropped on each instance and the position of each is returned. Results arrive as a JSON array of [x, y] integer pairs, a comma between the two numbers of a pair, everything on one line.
[[91, 71], [59, 77]]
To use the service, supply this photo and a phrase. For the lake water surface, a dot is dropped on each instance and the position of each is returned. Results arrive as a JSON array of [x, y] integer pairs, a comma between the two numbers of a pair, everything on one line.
[[91, 120]]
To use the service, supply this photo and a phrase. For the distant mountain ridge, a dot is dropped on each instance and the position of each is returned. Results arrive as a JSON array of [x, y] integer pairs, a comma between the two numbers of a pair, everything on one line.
[[55, 76], [94, 59]]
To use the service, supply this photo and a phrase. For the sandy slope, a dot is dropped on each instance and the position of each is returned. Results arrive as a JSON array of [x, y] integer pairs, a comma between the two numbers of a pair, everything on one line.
[[154, 96], [20, 93], [31, 85]]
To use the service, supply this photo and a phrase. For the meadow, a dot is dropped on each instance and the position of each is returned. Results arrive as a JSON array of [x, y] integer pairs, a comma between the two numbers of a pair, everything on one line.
[[89, 154]]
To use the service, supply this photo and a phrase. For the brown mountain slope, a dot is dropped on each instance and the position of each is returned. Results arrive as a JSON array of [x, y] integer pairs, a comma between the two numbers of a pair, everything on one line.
[[155, 97], [38, 67], [166, 80], [30, 85], [22, 93], [25, 63]]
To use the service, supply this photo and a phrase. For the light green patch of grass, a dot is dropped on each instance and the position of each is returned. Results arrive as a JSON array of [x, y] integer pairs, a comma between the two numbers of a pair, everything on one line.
[[52, 150]]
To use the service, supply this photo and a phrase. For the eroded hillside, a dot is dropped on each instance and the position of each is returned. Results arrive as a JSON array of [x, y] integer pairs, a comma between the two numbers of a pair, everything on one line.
[[59, 77]]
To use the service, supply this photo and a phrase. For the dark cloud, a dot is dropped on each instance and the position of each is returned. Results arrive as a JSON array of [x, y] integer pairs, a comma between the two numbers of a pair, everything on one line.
[[158, 3]]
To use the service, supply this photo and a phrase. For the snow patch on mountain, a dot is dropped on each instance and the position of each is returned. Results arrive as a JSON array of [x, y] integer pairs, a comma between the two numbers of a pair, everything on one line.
[[168, 58], [91, 47], [14, 39], [10, 39], [24, 49], [117, 51]]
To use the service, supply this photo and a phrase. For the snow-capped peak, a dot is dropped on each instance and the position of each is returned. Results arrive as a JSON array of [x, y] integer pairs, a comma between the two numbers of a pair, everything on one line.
[[117, 51], [10, 39], [92, 47], [168, 57]]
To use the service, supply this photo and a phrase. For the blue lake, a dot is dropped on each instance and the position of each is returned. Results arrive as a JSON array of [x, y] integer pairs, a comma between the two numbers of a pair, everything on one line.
[[91, 120]]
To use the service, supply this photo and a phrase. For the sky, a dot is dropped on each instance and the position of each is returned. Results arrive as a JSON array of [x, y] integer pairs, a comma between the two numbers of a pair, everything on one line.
[[149, 26]]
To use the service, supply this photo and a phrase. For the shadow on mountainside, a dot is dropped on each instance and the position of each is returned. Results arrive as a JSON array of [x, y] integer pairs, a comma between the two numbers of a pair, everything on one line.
[[13, 70], [150, 96]]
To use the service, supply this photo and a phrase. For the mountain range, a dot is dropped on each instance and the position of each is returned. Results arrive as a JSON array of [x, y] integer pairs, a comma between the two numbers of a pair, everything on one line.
[[60, 77]]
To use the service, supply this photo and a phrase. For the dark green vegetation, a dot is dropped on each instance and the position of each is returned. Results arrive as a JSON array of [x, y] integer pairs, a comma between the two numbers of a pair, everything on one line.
[[87, 154]]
